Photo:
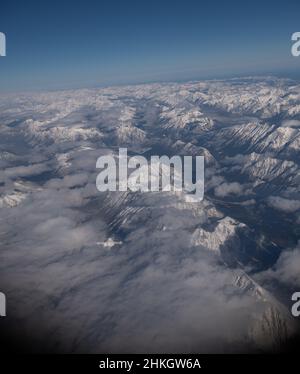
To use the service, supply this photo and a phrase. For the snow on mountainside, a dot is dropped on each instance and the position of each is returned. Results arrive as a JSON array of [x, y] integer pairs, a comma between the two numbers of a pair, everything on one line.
[[259, 137], [213, 240], [205, 258], [258, 166], [34, 132]]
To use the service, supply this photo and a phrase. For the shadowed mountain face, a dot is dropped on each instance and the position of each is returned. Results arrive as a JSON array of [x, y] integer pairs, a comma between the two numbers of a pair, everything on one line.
[[85, 271]]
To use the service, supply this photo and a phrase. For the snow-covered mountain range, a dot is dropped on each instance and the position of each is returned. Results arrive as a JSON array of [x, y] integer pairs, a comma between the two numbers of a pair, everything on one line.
[[149, 272]]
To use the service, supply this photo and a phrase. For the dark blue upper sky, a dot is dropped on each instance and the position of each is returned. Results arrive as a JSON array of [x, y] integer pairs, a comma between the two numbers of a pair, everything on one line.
[[57, 44]]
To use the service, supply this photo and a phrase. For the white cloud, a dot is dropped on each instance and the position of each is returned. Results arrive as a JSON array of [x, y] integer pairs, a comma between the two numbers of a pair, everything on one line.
[[225, 189], [283, 204], [286, 269], [288, 265], [291, 123]]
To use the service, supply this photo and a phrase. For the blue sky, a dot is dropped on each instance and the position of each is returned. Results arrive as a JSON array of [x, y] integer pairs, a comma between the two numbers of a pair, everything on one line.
[[63, 44]]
